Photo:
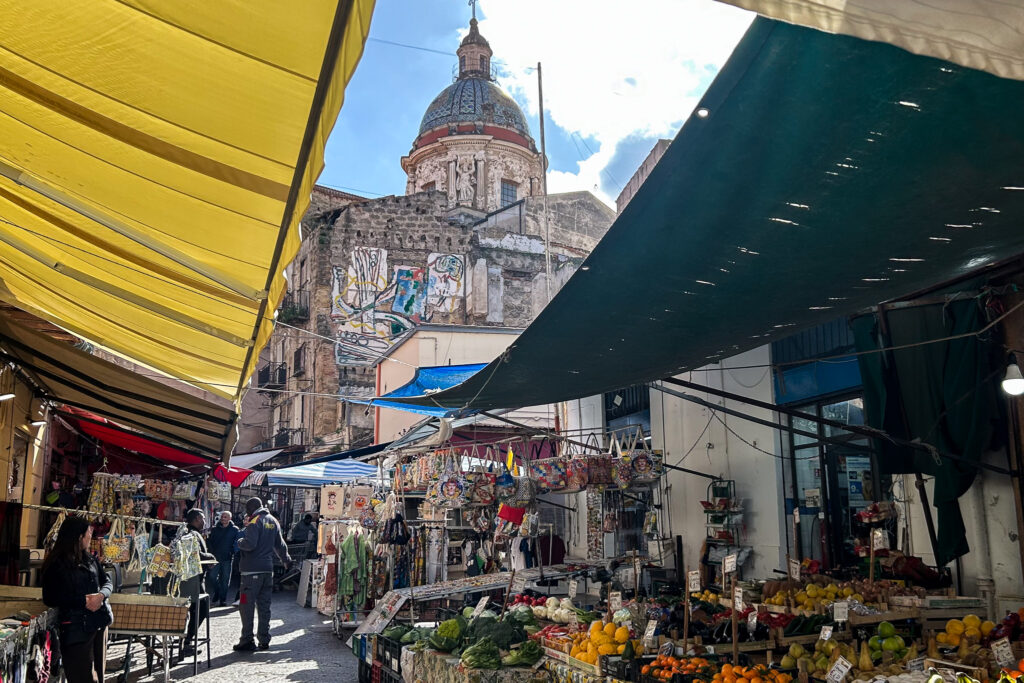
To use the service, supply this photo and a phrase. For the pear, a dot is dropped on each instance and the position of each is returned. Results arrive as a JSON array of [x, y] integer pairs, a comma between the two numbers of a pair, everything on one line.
[[933, 648], [864, 662], [963, 650]]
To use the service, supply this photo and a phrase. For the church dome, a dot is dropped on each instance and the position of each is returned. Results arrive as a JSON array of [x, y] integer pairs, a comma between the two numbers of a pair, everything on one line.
[[469, 100]]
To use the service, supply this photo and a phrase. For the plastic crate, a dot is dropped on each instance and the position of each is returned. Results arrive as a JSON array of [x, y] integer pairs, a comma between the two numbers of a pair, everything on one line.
[[365, 672], [624, 670], [376, 673], [389, 652], [389, 676]]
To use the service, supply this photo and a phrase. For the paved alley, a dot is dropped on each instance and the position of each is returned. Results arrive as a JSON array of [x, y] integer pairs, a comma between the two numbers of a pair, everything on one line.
[[303, 648]]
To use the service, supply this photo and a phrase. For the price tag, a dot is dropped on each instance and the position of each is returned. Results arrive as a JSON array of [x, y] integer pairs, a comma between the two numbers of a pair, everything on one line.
[[826, 633], [839, 670], [615, 601], [916, 664], [693, 581], [737, 599], [652, 626], [518, 584], [752, 623], [573, 587], [1003, 652], [879, 541], [480, 606], [841, 611], [539, 663], [794, 570], [729, 565], [796, 515], [574, 620]]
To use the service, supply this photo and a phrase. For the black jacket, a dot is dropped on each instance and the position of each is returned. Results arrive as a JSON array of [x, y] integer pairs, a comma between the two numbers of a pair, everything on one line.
[[66, 587], [222, 541]]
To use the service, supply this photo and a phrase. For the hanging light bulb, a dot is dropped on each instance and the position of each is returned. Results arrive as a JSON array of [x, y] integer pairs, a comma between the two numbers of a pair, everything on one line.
[[6, 397], [1013, 381]]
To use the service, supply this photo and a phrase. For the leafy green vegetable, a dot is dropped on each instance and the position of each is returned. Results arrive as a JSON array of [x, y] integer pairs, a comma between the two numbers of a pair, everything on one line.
[[482, 655], [395, 632], [450, 629], [526, 655], [504, 633]]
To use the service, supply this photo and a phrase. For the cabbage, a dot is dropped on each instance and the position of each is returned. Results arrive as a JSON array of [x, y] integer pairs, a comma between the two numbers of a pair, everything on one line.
[[552, 603]]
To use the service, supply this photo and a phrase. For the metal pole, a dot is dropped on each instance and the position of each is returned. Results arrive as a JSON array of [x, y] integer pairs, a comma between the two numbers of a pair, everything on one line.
[[544, 185]]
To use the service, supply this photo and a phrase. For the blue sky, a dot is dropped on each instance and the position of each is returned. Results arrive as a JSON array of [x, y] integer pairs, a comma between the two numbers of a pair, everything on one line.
[[613, 84]]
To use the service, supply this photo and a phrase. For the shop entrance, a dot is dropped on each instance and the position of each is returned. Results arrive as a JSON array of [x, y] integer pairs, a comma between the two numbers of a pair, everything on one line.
[[832, 483]]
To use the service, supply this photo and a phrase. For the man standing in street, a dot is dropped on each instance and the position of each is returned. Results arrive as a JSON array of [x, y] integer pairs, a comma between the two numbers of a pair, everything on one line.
[[259, 542], [222, 545], [303, 529]]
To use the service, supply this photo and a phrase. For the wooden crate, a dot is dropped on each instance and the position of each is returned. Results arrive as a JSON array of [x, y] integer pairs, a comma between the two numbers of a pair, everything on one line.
[[888, 615]]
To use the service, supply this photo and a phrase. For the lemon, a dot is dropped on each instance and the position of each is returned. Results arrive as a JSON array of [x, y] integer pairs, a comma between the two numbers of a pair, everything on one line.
[[813, 591], [972, 621], [986, 627], [954, 639], [955, 627], [847, 592], [609, 629], [972, 634], [942, 638], [858, 597]]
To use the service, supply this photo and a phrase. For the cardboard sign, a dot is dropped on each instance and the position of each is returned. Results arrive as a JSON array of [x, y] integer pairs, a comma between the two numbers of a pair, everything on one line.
[[518, 584], [480, 606], [826, 633], [752, 623], [652, 626], [916, 664], [573, 587], [737, 599], [693, 581], [839, 670], [879, 541], [1003, 652], [841, 611], [794, 570], [729, 565], [574, 620], [615, 601]]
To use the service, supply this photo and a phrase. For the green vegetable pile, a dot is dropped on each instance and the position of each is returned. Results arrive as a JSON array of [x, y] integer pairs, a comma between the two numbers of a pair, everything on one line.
[[528, 654], [395, 632], [448, 635], [483, 654]]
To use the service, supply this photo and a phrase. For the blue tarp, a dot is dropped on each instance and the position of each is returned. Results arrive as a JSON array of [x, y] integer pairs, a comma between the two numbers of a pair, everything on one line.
[[427, 381]]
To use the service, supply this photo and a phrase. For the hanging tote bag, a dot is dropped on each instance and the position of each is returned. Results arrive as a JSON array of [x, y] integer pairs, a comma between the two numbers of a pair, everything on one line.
[[526, 493], [117, 546], [599, 466], [158, 560], [504, 483], [622, 468], [51, 535], [451, 490], [140, 548], [576, 475]]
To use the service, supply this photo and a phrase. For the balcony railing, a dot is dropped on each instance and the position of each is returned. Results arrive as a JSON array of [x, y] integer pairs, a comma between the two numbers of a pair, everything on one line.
[[294, 308], [272, 376], [289, 437]]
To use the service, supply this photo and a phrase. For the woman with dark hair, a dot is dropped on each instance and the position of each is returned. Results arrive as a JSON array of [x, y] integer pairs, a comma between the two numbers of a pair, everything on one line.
[[75, 583]]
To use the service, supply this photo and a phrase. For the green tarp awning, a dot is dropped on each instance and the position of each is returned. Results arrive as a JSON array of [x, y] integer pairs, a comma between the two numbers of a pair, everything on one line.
[[821, 174]]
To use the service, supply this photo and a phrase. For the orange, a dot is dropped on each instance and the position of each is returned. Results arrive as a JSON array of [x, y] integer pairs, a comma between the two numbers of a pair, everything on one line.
[[727, 669], [1020, 665], [646, 669]]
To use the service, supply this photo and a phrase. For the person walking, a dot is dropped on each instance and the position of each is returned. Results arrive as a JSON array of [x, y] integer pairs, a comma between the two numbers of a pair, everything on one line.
[[75, 583], [195, 522], [222, 545], [260, 541]]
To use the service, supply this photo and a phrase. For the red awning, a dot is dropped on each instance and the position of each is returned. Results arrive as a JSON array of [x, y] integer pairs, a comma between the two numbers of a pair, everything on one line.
[[233, 475], [121, 438]]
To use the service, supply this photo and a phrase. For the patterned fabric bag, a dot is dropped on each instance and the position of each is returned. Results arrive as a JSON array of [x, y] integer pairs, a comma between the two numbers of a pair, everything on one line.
[[101, 494], [549, 473], [184, 490], [140, 548], [185, 557], [483, 491], [511, 514], [530, 526], [117, 546], [357, 499], [610, 524], [51, 535], [576, 475], [368, 517], [648, 466], [504, 485], [451, 490], [526, 493], [622, 468], [158, 560]]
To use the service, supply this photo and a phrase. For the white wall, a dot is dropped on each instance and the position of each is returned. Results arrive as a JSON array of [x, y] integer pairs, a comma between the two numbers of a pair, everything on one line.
[[677, 427]]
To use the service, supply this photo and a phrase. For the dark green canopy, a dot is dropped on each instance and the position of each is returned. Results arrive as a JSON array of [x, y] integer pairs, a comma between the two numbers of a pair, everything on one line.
[[820, 175]]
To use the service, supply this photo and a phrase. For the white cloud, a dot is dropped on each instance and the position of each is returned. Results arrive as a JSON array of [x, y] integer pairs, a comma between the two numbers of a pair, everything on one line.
[[611, 69]]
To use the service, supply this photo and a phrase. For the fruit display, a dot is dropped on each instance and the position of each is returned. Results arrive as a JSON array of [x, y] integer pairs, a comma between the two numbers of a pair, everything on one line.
[[817, 592], [750, 674], [664, 667], [558, 610], [602, 639], [972, 629]]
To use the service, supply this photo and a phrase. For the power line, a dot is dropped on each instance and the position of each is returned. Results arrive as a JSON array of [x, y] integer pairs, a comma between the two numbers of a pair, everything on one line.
[[603, 170], [410, 47]]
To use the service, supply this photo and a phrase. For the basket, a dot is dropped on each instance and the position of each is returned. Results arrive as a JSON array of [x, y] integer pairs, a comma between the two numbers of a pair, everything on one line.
[[149, 613]]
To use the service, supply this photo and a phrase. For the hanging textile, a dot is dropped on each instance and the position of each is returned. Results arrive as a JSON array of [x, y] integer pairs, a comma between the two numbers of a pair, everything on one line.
[[10, 545]]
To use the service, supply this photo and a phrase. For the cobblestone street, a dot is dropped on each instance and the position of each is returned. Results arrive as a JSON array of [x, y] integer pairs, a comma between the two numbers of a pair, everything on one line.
[[303, 648]]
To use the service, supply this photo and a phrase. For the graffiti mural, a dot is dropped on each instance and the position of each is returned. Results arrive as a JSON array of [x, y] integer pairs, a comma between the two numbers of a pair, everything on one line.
[[410, 291], [447, 281], [372, 305]]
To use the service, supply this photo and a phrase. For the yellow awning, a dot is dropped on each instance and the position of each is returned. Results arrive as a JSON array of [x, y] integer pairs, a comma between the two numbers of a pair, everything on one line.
[[155, 160]]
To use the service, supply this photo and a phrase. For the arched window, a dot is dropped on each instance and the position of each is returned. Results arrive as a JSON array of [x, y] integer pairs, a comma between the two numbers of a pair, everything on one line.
[[483, 63], [462, 63]]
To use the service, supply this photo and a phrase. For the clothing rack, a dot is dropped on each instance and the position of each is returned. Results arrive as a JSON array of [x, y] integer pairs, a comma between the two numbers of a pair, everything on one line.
[[101, 515], [21, 637]]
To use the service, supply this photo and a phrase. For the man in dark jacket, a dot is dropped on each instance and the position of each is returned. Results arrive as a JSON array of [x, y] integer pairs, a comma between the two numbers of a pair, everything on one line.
[[260, 541], [303, 530], [222, 545]]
